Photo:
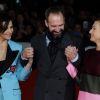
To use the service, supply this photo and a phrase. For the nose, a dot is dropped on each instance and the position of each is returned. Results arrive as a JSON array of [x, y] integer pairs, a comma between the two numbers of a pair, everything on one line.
[[90, 31], [58, 29]]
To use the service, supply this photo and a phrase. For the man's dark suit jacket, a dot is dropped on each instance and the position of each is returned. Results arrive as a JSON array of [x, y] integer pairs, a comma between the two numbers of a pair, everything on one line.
[[54, 82]]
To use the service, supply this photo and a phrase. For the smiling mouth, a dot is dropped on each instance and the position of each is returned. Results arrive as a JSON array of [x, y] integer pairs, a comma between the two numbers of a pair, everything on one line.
[[7, 33]]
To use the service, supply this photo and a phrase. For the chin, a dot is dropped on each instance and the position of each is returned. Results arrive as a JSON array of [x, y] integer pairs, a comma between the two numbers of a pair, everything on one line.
[[57, 34], [8, 38], [92, 40]]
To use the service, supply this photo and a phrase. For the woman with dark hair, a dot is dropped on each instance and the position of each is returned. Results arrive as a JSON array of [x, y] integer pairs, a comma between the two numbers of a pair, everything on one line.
[[11, 67], [89, 79]]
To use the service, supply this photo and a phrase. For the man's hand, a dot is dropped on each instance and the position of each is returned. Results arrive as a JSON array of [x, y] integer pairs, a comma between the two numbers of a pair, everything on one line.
[[27, 53], [71, 52]]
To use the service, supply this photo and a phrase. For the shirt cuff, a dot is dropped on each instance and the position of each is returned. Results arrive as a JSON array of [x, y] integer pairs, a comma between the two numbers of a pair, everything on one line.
[[23, 58], [23, 61], [72, 70], [76, 58]]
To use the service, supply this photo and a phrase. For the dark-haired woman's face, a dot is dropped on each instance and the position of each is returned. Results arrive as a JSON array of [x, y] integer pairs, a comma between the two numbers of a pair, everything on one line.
[[8, 32], [95, 32]]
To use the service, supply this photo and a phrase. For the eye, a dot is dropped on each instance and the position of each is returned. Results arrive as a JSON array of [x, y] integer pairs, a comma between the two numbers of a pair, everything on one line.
[[11, 27], [93, 28]]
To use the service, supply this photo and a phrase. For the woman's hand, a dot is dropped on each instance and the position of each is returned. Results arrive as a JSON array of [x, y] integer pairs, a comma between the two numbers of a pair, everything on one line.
[[71, 52]]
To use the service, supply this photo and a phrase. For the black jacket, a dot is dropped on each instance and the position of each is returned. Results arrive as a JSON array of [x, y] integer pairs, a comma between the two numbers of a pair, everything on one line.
[[54, 82]]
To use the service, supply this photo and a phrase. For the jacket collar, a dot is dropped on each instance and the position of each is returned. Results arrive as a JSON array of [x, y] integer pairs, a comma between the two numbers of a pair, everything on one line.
[[10, 57]]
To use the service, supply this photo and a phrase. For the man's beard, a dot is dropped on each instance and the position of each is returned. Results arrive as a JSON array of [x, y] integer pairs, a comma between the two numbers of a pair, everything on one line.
[[58, 34]]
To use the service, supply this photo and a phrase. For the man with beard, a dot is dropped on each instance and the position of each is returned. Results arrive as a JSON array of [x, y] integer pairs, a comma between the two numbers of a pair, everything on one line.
[[54, 82]]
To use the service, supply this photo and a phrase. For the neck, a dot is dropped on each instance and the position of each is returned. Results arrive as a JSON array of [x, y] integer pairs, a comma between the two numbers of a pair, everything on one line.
[[2, 41], [98, 47], [1, 38]]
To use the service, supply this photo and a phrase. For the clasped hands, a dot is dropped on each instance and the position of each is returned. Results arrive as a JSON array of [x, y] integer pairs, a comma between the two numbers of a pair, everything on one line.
[[28, 54], [71, 52]]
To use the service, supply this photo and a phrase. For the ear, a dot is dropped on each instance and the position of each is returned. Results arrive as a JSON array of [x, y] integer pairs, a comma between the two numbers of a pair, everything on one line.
[[46, 23]]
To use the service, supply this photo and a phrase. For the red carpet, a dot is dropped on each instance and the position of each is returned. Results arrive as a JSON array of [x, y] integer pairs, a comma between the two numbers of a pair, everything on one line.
[[27, 87]]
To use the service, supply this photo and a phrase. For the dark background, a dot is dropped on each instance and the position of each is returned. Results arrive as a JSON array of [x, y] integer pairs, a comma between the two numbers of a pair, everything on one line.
[[91, 5], [39, 6]]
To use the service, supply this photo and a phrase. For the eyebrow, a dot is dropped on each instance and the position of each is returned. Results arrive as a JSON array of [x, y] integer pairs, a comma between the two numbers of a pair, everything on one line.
[[57, 25]]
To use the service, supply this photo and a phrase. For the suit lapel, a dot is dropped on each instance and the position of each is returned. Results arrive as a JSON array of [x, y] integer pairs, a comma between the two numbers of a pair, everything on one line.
[[10, 57], [45, 49]]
